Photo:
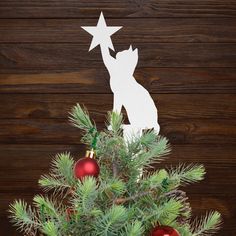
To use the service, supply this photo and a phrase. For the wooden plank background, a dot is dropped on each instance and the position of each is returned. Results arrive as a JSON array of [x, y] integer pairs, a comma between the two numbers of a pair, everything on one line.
[[187, 60]]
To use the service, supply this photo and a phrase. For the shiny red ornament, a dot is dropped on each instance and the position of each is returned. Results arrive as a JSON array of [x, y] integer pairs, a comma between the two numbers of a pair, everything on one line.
[[164, 231], [86, 166]]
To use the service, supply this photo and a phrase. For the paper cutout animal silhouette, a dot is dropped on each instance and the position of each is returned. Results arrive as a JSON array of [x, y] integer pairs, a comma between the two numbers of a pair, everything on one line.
[[128, 93], [139, 105]]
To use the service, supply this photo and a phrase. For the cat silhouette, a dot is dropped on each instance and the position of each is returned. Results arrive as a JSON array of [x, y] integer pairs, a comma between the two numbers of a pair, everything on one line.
[[128, 93]]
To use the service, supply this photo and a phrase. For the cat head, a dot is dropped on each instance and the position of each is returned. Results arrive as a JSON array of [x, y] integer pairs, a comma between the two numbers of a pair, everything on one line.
[[128, 59]]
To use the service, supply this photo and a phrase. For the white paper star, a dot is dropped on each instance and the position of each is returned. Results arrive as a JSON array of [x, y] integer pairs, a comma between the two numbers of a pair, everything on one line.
[[101, 33]]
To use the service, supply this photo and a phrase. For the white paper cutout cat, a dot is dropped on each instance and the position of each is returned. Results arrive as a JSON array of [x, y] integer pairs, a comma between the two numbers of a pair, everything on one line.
[[128, 93]]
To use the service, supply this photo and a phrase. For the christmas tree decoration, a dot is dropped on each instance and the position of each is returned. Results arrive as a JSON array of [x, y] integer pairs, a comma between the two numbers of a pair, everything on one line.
[[120, 202], [86, 166], [128, 93], [164, 231], [101, 33]]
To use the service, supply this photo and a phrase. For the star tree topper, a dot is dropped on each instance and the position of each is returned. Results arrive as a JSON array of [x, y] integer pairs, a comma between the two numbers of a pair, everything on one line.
[[101, 33]]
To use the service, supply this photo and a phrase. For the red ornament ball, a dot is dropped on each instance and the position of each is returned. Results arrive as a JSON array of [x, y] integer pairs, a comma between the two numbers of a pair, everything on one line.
[[86, 166], [164, 231]]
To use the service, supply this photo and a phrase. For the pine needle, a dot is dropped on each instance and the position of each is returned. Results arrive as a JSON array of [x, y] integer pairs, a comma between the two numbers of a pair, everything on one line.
[[79, 118], [50, 206], [49, 228], [61, 176], [112, 221], [62, 167], [187, 174], [207, 225], [115, 122], [85, 195], [134, 229], [23, 217]]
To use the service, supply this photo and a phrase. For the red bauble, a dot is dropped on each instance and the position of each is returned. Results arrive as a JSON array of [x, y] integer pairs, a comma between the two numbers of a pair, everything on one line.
[[164, 231], [86, 166]]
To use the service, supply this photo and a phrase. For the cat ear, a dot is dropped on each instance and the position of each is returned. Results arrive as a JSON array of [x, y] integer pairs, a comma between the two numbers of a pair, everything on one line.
[[135, 51], [130, 48]]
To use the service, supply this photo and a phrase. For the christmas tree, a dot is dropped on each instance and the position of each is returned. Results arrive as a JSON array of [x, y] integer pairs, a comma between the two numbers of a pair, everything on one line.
[[114, 190]]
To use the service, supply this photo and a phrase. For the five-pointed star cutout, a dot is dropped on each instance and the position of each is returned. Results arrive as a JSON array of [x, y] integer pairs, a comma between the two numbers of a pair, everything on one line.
[[101, 33]]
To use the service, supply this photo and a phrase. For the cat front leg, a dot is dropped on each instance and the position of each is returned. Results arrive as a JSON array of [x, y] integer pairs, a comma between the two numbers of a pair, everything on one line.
[[107, 58], [117, 105]]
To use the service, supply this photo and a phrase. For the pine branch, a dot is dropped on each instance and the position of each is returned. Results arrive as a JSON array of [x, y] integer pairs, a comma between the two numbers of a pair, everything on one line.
[[171, 209], [114, 121], [112, 221], [180, 196], [165, 213], [149, 144], [134, 229], [187, 174], [156, 152], [208, 225], [49, 228], [79, 118], [148, 139], [85, 195], [62, 167], [50, 208], [132, 198], [61, 176], [49, 183], [112, 188], [23, 217], [160, 149], [155, 180]]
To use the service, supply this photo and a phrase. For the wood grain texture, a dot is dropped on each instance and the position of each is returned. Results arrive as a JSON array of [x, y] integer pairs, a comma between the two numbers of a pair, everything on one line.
[[25, 155], [74, 56], [187, 61], [156, 80], [113, 8], [153, 30], [59, 131], [171, 106]]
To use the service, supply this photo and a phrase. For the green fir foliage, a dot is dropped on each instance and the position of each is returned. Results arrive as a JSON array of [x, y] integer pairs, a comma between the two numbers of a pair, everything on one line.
[[128, 198]]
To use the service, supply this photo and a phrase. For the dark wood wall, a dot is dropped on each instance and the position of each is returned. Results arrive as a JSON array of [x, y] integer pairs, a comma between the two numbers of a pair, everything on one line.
[[187, 60]]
